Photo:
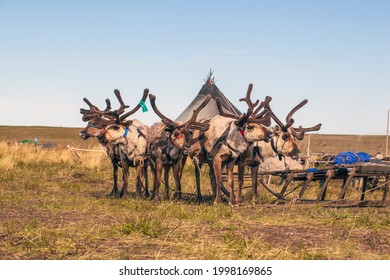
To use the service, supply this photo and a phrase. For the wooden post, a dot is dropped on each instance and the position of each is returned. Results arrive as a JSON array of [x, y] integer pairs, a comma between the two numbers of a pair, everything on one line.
[[387, 184], [387, 133], [365, 183], [288, 181], [309, 178], [329, 176], [347, 183]]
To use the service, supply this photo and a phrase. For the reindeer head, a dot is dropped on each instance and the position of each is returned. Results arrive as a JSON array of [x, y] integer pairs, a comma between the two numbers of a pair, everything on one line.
[[109, 125], [253, 125], [90, 130], [285, 135], [182, 134]]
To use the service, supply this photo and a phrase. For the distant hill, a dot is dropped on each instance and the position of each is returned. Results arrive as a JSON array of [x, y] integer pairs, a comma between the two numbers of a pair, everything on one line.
[[319, 143]]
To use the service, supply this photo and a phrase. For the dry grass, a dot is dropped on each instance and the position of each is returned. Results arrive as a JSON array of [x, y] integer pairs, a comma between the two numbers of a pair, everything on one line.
[[14, 154], [54, 206]]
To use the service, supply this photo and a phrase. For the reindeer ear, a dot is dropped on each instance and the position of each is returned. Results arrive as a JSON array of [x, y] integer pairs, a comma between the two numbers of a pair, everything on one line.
[[127, 123]]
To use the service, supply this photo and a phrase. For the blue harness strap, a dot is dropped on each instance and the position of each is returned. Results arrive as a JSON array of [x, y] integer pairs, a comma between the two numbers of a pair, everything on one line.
[[126, 131]]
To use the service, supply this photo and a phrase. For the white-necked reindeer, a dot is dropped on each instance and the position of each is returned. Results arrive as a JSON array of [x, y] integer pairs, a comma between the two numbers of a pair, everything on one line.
[[125, 141], [282, 144]]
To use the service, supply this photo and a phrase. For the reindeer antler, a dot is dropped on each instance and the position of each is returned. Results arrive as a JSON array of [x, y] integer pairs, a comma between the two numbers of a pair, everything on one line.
[[247, 98], [264, 117], [192, 123], [108, 116], [299, 132], [241, 120], [167, 121], [296, 108], [136, 108], [284, 127], [89, 114]]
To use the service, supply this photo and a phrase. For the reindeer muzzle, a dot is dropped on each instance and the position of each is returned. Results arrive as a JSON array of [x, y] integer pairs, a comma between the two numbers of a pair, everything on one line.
[[83, 135], [295, 154], [268, 136]]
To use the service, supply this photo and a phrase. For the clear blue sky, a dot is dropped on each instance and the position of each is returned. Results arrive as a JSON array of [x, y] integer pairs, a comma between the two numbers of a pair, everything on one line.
[[334, 53]]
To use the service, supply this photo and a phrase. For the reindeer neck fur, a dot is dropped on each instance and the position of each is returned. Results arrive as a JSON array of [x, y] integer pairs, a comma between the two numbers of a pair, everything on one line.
[[131, 145], [235, 143]]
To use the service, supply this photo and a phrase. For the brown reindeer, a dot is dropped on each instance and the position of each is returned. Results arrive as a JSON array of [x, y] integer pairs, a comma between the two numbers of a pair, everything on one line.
[[282, 144], [124, 140], [164, 154]]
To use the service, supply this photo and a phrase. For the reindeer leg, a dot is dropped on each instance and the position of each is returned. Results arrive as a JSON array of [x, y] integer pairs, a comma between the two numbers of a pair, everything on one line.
[[115, 191], [183, 162], [197, 178], [241, 170], [177, 172], [138, 183], [166, 181], [229, 168], [157, 180], [217, 166], [126, 173], [213, 182], [146, 177], [254, 172]]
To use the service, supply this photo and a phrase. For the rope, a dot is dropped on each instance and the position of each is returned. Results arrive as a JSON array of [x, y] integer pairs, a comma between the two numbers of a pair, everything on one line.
[[85, 150]]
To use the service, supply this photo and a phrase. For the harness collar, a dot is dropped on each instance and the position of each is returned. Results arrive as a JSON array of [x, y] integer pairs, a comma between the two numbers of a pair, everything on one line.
[[126, 131], [274, 147]]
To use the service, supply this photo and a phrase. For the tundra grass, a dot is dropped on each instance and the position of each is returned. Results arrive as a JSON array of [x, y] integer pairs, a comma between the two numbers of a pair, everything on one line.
[[56, 206]]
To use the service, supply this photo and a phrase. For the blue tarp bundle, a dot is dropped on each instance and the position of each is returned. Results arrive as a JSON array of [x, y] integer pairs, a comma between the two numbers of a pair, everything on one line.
[[350, 158]]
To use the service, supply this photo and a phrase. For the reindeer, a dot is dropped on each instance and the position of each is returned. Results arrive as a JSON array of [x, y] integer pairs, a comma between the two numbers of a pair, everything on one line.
[[163, 152], [125, 141], [229, 136], [282, 144]]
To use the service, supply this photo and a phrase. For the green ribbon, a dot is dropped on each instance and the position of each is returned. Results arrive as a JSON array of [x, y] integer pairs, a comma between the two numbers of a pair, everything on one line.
[[143, 106]]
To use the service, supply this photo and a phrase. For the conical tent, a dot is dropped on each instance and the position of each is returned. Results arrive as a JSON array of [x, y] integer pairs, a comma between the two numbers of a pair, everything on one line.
[[211, 109]]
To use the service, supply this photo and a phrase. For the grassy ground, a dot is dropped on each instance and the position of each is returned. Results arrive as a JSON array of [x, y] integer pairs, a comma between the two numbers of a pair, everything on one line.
[[54, 206]]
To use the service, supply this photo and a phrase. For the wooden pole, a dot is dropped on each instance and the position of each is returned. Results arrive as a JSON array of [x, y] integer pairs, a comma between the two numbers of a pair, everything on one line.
[[387, 133]]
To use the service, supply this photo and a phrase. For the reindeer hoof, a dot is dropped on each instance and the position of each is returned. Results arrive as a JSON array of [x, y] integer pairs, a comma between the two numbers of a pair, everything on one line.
[[217, 201], [157, 199], [124, 195], [255, 201], [114, 194], [232, 203], [177, 196]]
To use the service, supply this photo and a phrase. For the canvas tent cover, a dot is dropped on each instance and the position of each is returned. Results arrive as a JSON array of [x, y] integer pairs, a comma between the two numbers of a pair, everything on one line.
[[211, 109]]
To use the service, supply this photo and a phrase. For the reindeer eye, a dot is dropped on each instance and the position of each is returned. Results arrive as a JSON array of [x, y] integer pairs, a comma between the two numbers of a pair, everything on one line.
[[176, 134], [115, 127], [249, 127], [191, 132], [285, 137]]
